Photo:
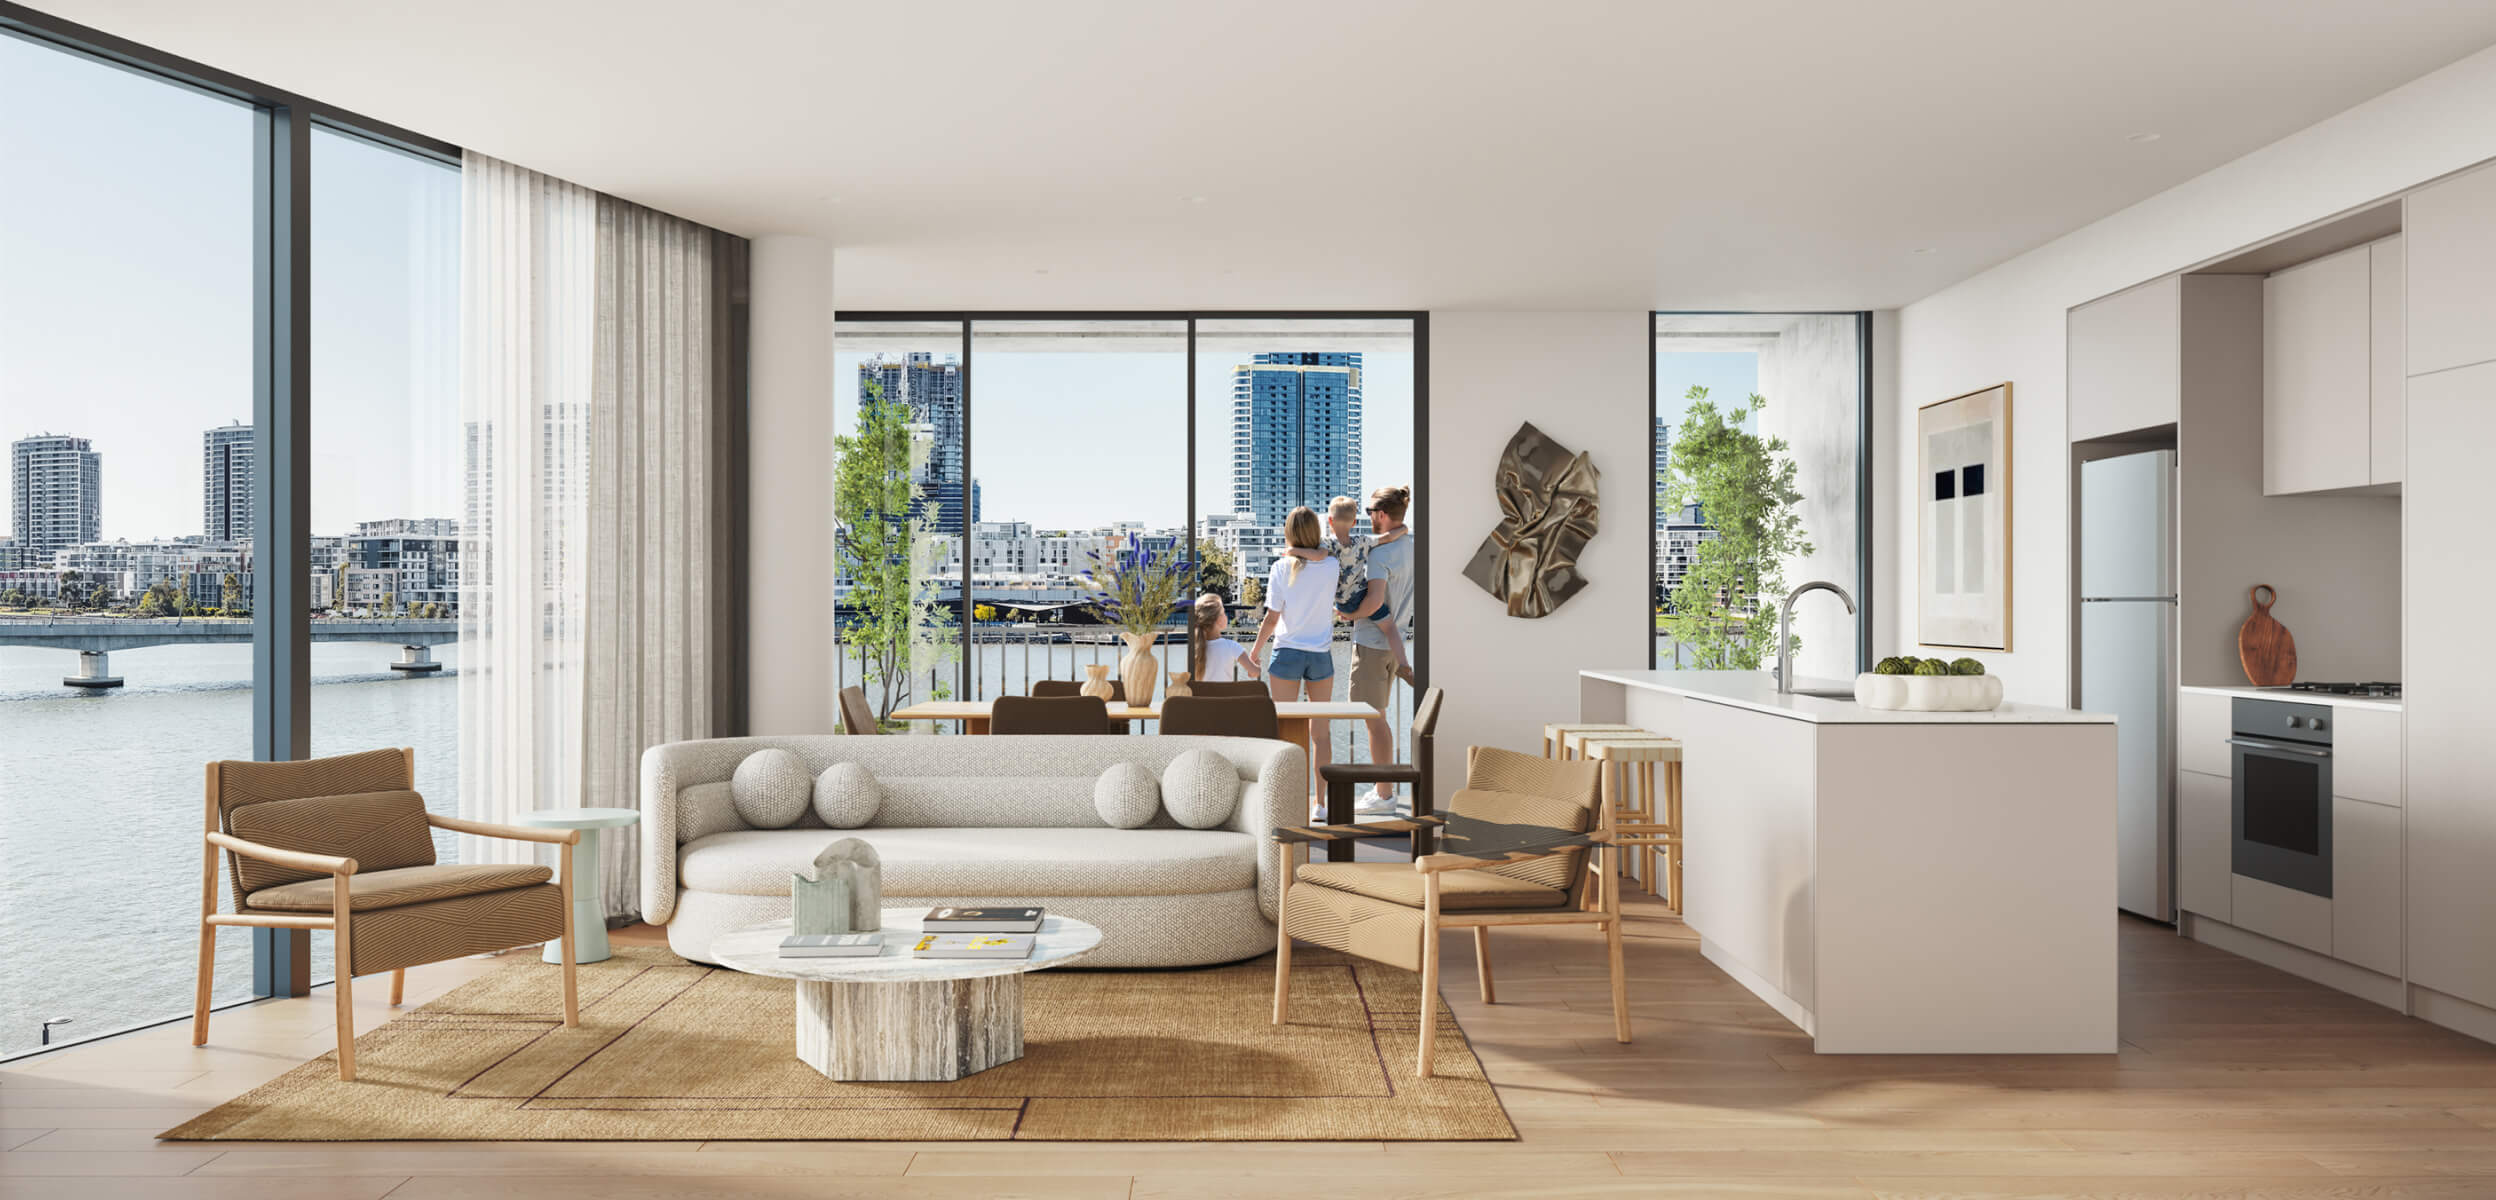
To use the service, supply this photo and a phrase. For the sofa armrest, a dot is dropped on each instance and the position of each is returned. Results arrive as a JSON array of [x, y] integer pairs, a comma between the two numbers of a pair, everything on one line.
[[658, 835], [1280, 796]]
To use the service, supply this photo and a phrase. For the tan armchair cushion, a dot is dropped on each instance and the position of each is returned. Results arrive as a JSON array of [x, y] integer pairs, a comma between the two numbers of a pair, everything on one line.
[[368, 890], [1459, 891], [381, 831]]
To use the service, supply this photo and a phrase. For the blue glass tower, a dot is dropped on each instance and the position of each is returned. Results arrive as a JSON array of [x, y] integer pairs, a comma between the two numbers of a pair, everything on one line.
[[933, 390], [1295, 432]]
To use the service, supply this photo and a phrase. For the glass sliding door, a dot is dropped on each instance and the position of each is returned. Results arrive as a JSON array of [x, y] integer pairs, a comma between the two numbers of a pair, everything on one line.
[[1078, 448], [126, 400], [902, 496], [391, 485], [1759, 454], [1295, 412]]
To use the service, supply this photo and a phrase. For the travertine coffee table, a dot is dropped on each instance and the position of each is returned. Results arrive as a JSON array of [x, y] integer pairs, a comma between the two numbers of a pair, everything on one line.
[[897, 1017]]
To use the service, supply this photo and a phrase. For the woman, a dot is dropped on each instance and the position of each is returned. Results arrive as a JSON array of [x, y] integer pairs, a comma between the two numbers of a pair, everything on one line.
[[1214, 658], [1300, 621]]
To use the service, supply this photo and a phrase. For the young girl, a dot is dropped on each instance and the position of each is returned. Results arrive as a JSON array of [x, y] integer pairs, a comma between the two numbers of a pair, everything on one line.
[[1215, 658], [1300, 620]]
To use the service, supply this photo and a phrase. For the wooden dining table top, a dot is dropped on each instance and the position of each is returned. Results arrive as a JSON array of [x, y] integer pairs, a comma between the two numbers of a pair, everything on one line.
[[1288, 710]]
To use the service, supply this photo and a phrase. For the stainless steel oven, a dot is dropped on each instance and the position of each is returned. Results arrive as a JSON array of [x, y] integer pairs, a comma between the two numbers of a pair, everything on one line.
[[2283, 793]]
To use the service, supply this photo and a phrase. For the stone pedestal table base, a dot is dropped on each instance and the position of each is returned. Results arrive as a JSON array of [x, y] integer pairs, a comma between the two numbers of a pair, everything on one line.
[[909, 1031]]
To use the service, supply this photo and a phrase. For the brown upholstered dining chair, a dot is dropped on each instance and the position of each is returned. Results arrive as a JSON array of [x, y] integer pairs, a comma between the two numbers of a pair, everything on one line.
[[345, 844], [858, 716], [1223, 690], [1221, 716], [1053, 714], [1344, 779], [1524, 843], [1054, 689]]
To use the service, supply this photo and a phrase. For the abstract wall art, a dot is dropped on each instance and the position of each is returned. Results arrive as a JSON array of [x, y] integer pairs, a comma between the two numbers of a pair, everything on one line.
[[1963, 521], [1548, 507]]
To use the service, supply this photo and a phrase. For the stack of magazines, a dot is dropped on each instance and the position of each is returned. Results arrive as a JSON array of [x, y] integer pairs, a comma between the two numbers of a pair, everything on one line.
[[978, 932], [832, 945]]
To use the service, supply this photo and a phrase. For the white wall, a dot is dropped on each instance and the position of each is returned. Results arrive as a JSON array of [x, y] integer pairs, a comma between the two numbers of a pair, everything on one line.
[[2007, 323], [1580, 377], [790, 678]]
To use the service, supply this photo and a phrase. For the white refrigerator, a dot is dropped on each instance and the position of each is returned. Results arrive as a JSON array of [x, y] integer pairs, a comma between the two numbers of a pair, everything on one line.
[[2127, 659]]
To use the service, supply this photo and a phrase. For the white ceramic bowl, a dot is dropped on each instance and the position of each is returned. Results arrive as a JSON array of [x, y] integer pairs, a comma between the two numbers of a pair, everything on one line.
[[1929, 693]]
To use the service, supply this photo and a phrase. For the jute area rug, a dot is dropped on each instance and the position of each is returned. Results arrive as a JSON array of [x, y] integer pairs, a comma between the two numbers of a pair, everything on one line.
[[669, 1050]]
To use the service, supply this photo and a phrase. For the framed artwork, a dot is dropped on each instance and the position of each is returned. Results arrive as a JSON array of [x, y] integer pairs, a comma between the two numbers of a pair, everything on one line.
[[1963, 521]]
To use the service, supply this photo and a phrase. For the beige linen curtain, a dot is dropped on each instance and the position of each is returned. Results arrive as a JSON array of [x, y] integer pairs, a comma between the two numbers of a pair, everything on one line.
[[666, 498], [603, 352]]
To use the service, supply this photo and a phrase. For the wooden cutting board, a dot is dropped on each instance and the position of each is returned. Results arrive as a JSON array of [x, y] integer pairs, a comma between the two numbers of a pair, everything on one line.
[[2264, 645]]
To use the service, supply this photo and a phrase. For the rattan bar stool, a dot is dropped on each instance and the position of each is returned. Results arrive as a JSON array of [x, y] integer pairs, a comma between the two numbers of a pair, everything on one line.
[[1559, 740], [1642, 832]]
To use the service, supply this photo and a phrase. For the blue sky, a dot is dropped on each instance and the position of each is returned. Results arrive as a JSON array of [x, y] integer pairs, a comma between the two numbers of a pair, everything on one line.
[[126, 296]]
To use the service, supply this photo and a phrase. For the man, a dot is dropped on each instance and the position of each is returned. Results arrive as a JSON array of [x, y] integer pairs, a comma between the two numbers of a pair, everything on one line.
[[1382, 623]]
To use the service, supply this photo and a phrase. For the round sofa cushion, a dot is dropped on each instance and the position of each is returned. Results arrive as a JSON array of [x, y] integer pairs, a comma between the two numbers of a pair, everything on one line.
[[1200, 788], [770, 789], [1126, 796], [847, 796]]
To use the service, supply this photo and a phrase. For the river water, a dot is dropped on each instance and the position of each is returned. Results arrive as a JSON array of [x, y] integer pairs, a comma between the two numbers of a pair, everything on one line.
[[101, 796]]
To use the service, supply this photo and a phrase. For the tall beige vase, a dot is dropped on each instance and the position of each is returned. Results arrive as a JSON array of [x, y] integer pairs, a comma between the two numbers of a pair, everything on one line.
[[1139, 670]]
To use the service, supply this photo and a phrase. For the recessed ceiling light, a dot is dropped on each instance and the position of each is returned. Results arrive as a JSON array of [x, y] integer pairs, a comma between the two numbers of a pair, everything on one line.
[[1197, 199], [2142, 137], [1925, 249], [1039, 270]]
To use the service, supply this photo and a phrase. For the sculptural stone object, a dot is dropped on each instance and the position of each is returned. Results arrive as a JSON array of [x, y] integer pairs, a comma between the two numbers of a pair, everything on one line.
[[1547, 498], [843, 893]]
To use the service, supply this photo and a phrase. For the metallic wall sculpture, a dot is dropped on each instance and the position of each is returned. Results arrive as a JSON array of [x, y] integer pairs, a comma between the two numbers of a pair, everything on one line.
[[1548, 497]]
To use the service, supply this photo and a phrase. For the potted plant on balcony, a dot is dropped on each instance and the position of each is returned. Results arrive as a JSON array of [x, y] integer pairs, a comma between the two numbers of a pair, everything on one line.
[[1135, 589]]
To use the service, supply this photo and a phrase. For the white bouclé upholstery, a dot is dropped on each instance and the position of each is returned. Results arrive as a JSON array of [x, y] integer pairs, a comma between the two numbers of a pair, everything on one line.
[[983, 820]]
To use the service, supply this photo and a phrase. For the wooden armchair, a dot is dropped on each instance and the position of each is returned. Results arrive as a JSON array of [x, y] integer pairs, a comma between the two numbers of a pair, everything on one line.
[[1521, 844], [345, 844]]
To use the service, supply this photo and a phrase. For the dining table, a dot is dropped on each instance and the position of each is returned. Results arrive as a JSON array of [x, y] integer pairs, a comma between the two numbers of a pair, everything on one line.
[[1297, 719]]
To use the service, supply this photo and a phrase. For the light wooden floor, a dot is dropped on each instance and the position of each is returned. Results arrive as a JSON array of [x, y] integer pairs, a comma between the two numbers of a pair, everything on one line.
[[2233, 1080]]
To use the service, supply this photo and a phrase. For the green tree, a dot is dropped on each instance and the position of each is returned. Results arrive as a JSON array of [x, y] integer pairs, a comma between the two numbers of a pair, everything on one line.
[[1745, 485], [389, 604], [1216, 570], [891, 615], [16, 597], [233, 595], [162, 598]]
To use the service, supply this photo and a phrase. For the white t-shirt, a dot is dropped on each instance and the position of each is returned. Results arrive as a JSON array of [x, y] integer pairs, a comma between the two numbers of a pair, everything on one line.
[[1222, 661], [1307, 604]]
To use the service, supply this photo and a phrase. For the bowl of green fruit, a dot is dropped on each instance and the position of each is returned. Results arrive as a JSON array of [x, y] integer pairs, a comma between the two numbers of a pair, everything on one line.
[[1909, 684]]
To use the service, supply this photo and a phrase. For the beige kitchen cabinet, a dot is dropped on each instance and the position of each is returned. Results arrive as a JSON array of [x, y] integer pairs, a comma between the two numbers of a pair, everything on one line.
[[2451, 272], [2366, 885], [2204, 845], [2366, 754], [2125, 371], [2446, 704], [2387, 386], [2317, 372]]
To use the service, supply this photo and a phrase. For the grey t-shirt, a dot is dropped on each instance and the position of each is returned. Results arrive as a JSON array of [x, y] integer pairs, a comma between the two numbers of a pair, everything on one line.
[[1393, 562]]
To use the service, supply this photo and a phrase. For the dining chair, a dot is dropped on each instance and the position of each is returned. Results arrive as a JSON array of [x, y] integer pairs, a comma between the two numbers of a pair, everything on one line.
[[1344, 779], [1050, 689], [345, 844], [1221, 716], [1051, 714], [858, 716], [1225, 689]]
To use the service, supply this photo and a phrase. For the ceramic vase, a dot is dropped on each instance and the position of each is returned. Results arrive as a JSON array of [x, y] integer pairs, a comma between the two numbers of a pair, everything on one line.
[[842, 893], [1095, 682], [1178, 685], [1139, 670]]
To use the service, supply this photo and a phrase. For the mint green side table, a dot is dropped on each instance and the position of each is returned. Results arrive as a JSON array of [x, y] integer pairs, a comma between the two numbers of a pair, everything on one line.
[[589, 876]]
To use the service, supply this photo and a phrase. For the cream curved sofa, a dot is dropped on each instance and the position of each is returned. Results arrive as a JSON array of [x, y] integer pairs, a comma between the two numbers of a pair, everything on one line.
[[981, 820]]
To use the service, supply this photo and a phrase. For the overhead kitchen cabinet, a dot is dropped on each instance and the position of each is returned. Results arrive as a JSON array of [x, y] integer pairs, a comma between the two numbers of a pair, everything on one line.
[[2331, 408]]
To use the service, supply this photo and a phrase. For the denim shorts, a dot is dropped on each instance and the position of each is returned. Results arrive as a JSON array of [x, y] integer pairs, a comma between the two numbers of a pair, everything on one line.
[[1301, 664]]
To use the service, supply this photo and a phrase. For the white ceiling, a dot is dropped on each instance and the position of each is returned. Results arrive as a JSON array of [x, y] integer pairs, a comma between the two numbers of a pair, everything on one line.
[[1351, 153]]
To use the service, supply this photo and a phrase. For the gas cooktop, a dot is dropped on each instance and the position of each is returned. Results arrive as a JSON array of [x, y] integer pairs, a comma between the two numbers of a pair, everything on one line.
[[2371, 691]]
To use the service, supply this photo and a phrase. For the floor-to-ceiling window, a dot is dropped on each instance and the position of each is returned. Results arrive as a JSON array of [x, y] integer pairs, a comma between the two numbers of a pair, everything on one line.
[[1764, 418], [162, 602], [1033, 440], [126, 397], [390, 481]]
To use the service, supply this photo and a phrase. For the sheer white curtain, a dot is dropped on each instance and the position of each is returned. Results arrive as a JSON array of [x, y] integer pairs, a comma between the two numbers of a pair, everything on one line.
[[528, 327]]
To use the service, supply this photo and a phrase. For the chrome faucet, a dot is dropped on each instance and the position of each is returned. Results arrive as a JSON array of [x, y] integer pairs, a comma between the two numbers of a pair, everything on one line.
[[1785, 628]]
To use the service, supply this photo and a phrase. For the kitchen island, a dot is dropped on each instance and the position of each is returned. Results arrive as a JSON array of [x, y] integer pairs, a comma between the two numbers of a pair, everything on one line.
[[1893, 882]]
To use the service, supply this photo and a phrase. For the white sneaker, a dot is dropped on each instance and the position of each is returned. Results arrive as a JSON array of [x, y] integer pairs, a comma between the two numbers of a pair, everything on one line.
[[1372, 804]]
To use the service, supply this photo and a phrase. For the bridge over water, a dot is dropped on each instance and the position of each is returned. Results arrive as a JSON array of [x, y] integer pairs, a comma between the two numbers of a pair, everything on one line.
[[95, 638]]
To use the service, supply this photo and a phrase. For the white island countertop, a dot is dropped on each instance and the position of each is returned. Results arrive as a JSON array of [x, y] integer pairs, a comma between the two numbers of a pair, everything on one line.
[[1757, 691]]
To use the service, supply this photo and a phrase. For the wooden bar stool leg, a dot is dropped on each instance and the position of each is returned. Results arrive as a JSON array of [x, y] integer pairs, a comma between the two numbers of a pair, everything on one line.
[[1672, 818]]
